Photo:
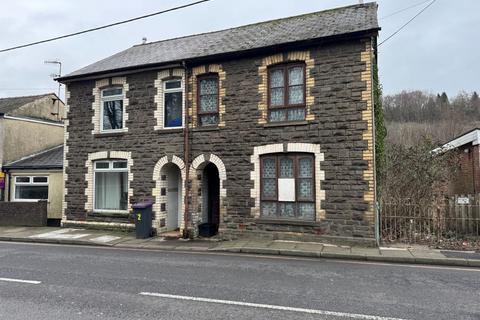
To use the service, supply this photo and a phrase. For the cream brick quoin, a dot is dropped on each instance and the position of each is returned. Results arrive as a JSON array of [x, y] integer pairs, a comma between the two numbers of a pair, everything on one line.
[[192, 95], [65, 152], [162, 76], [96, 105], [289, 147], [368, 136], [309, 81], [159, 184], [103, 155]]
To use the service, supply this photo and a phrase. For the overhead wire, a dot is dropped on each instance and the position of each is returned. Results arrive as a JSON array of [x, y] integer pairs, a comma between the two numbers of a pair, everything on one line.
[[104, 26]]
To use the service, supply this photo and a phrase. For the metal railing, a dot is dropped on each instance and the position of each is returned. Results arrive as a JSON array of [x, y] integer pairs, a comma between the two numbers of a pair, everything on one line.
[[405, 221]]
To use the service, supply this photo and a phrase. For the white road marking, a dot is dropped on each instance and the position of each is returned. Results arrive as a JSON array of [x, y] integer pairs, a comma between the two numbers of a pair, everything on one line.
[[20, 281], [270, 307]]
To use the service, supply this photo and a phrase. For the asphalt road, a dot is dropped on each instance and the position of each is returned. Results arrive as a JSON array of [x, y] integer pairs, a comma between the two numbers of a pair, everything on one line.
[[100, 283]]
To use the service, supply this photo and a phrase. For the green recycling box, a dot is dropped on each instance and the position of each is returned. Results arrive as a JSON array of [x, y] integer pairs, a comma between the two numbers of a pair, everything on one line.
[[142, 212]]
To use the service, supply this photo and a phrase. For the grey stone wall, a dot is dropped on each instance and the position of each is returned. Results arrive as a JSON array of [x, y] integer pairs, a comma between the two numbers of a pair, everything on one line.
[[28, 214], [338, 128]]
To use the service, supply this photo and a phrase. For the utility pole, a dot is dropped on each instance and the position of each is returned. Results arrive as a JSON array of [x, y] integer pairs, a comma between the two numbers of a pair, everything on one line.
[[59, 84]]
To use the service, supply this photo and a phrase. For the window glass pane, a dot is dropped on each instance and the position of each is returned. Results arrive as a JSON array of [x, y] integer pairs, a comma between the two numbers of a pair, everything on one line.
[[276, 78], [295, 76], [269, 189], [22, 179], [269, 169], [31, 192], [102, 165], [208, 86], [120, 164], [112, 115], [173, 109], [276, 97], [306, 211], [269, 209], [173, 84], [111, 92], [296, 114], [295, 95], [208, 103], [278, 115], [305, 189], [208, 120], [306, 168], [40, 179], [286, 209], [111, 190], [286, 168]]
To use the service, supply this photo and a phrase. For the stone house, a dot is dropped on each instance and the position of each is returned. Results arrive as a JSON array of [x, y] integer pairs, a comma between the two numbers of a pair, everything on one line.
[[264, 129]]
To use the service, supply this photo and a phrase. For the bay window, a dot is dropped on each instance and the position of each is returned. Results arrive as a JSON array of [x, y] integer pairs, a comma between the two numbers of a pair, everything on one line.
[[287, 186], [111, 185]]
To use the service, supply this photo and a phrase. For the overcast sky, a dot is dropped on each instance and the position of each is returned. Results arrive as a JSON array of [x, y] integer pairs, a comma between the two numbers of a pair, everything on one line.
[[437, 52]]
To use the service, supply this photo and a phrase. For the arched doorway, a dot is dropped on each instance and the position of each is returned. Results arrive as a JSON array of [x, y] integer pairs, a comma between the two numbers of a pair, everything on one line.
[[173, 191], [211, 197]]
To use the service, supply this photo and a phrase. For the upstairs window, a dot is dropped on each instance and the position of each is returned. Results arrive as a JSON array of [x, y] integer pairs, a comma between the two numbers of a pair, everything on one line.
[[31, 188], [208, 100], [173, 103], [111, 185], [286, 86], [112, 109], [287, 186]]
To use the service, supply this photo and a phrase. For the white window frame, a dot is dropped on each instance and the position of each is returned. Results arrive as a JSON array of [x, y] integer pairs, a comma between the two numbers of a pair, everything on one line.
[[30, 183], [109, 169], [112, 98], [165, 91]]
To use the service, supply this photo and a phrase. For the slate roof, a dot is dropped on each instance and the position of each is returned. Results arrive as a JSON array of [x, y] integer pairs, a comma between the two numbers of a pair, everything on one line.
[[47, 159], [9, 104], [322, 24]]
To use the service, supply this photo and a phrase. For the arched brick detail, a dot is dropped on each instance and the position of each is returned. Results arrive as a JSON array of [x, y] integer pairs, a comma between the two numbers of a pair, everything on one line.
[[198, 164], [159, 184], [289, 147]]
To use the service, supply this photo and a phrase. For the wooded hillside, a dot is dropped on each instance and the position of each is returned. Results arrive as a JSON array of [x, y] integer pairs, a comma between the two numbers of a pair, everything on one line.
[[411, 116]]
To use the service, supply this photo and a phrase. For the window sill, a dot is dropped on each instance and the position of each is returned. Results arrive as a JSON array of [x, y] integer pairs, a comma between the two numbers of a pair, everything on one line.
[[208, 128], [109, 214], [109, 134], [167, 130], [285, 124], [287, 222]]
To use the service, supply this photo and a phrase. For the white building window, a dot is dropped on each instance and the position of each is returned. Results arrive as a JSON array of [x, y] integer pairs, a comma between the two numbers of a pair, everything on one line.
[[111, 186], [31, 188], [111, 109], [173, 103]]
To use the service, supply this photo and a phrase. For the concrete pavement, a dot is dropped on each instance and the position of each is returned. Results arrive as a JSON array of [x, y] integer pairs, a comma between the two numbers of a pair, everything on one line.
[[415, 255]]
